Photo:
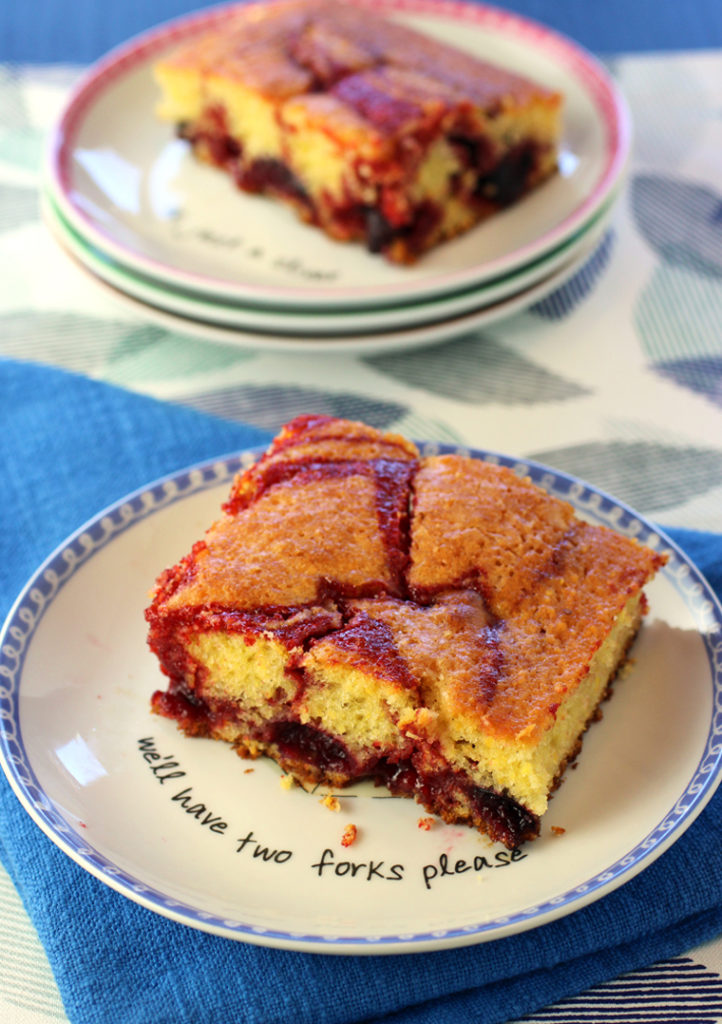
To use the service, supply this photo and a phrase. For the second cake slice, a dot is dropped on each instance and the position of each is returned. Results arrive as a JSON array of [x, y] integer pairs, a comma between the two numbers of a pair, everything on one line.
[[368, 129]]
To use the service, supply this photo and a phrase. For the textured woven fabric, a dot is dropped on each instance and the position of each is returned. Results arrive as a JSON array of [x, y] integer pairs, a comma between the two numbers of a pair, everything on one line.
[[69, 448]]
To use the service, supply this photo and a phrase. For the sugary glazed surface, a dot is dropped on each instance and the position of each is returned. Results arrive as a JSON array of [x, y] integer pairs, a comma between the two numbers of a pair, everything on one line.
[[468, 604], [384, 71]]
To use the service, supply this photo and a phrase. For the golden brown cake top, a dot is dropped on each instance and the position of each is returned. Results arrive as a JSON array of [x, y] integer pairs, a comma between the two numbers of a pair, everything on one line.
[[455, 576], [506, 677], [322, 513], [380, 70], [561, 623], [315, 440], [500, 547], [450, 639], [478, 523], [291, 545]]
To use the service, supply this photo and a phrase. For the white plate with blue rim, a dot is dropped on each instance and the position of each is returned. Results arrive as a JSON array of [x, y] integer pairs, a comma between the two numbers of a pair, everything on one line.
[[135, 193], [140, 806]]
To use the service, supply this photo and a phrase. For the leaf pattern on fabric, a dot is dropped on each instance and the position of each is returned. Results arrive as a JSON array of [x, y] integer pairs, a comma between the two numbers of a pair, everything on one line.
[[23, 151], [565, 299], [92, 337], [272, 405], [13, 108], [476, 370], [147, 352], [648, 475], [21, 143], [115, 350], [677, 316], [680, 220], [704, 375], [18, 205]]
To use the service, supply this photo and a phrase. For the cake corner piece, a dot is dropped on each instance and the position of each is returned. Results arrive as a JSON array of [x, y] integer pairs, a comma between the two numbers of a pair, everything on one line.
[[437, 624]]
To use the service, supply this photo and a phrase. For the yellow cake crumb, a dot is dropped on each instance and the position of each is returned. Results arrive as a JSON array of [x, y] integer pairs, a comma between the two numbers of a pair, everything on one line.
[[350, 834]]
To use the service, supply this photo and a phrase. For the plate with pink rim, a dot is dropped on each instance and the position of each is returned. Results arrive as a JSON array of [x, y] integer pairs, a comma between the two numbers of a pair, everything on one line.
[[133, 191], [318, 332], [333, 323], [204, 320], [139, 806]]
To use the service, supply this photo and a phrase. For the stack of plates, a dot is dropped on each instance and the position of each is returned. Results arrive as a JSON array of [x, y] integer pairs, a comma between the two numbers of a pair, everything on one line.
[[178, 242]]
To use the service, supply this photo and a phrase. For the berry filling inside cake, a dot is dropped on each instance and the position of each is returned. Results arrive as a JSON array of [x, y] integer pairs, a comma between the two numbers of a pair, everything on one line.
[[368, 129], [439, 625]]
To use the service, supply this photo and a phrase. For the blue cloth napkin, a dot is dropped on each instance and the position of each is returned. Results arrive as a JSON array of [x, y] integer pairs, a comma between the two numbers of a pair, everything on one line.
[[69, 447]]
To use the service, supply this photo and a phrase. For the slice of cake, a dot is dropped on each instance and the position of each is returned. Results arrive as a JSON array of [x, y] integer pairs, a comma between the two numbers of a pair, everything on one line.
[[440, 625], [367, 128]]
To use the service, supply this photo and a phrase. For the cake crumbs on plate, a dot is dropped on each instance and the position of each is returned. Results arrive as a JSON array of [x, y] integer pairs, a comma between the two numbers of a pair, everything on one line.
[[425, 824], [331, 801], [557, 830], [287, 782], [350, 834]]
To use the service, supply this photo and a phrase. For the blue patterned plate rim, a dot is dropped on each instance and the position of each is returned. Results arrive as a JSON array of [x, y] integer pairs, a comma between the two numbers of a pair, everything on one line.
[[26, 617]]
